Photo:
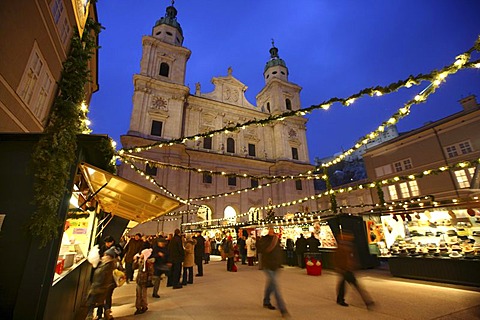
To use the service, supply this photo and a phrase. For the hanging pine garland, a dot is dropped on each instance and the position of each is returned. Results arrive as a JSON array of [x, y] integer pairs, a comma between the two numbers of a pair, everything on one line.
[[55, 153]]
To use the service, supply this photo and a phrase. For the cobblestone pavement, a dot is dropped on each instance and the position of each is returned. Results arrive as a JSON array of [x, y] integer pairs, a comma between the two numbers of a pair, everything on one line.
[[227, 295]]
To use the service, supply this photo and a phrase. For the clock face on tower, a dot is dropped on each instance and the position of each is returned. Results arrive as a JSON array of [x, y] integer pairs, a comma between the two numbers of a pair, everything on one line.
[[159, 103]]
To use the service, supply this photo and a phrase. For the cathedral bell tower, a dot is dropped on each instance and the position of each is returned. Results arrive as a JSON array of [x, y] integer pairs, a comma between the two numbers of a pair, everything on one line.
[[279, 96], [160, 91]]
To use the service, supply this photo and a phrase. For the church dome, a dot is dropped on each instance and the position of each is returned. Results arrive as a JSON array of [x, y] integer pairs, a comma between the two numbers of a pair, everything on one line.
[[170, 19], [274, 59]]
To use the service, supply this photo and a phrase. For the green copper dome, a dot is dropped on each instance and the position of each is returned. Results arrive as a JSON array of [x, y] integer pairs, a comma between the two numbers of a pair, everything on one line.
[[170, 19], [274, 59]]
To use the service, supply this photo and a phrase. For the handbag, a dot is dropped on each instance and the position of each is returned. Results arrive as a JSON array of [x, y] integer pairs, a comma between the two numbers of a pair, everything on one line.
[[119, 277]]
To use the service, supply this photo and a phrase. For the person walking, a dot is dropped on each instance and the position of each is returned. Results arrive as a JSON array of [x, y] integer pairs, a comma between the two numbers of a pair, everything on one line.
[[176, 254], [346, 262], [300, 249], [133, 247], [199, 253], [272, 257], [161, 264], [188, 260], [250, 244]]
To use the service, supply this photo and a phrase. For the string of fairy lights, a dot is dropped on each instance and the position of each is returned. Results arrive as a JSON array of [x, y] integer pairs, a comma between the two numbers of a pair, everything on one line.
[[384, 182], [401, 113], [435, 78]]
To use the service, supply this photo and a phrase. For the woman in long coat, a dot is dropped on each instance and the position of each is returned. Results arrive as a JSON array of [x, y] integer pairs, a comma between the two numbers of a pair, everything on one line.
[[102, 279], [250, 243], [189, 260]]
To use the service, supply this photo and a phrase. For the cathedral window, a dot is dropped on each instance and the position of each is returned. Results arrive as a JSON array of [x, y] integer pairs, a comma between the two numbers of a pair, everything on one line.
[[164, 69], [207, 177], [298, 184], [230, 145], [268, 107], [288, 104], [295, 153], [207, 143], [251, 149], [150, 170], [156, 128], [232, 181]]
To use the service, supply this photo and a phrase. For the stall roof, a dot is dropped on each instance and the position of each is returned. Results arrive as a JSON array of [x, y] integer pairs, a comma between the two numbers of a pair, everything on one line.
[[125, 198]]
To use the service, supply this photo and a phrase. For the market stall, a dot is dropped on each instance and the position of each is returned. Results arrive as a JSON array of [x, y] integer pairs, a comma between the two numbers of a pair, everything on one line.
[[438, 244]]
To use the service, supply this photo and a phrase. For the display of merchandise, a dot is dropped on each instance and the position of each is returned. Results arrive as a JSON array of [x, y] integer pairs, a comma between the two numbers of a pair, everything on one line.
[[439, 234]]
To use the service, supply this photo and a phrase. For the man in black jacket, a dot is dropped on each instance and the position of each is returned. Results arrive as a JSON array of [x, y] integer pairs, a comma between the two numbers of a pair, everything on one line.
[[272, 257], [199, 252], [300, 249], [161, 264], [313, 244], [176, 254]]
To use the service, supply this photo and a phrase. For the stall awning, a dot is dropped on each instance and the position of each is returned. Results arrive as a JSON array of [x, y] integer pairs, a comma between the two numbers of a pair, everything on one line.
[[124, 198]]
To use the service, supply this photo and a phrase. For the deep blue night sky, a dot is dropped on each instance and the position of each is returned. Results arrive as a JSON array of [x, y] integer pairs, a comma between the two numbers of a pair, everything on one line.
[[331, 48]]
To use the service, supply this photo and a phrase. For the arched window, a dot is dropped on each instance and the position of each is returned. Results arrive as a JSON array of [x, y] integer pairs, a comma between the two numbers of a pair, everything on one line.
[[229, 213], [204, 213], [268, 106], [230, 145], [164, 69], [288, 104]]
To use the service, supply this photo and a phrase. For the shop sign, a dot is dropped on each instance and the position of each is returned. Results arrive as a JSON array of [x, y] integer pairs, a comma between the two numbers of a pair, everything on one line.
[[80, 7]]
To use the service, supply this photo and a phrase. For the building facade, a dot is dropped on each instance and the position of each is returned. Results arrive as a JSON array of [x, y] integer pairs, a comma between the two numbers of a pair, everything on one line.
[[445, 142], [164, 109], [31, 63], [36, 37]]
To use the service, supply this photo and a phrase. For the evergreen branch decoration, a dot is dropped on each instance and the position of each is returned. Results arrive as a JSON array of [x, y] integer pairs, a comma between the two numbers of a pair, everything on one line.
[[55, 153]]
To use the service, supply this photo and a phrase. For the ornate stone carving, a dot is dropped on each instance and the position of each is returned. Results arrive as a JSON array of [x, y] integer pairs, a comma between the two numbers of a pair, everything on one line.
[[231, 94], [292, 134]]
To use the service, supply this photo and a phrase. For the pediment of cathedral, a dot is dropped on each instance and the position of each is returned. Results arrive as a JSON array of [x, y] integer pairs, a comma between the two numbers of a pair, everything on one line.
[[228, 90]]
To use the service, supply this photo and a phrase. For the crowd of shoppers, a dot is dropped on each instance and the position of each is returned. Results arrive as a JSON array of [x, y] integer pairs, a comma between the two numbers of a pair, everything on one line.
[[174, 257]]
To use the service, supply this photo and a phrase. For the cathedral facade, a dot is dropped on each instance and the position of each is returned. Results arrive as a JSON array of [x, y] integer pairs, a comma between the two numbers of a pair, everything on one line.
[[164, 109]]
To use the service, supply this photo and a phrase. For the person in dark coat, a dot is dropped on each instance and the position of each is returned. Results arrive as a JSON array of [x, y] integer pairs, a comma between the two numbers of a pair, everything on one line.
[[133, 247], [290, 252], [176, 254], [161, 264], [346, 262], [300, 249], [199, 253], [102, 280], [272, 257], [313, 244], [242, 248], [109, 243]]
